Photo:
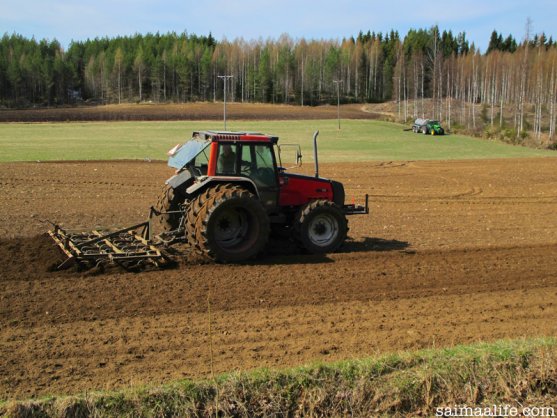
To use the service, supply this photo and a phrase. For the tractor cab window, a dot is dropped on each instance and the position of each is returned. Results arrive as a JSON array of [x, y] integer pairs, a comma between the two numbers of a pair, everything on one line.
[[258, 164], [201, 162], [194, 155], [226, 160]]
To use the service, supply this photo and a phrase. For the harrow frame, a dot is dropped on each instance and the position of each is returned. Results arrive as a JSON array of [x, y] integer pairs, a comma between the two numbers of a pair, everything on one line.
[[129, 247]]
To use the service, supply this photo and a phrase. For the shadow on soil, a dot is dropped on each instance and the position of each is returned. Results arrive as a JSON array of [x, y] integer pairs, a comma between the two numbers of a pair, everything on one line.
[[374, 244], [285, 252]]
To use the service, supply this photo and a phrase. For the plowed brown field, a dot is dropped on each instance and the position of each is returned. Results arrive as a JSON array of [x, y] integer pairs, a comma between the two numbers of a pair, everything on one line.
[[453, 252], [187, 111]]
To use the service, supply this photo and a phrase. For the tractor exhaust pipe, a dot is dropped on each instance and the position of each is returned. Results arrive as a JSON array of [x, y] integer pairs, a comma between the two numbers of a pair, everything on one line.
[[315, 153]]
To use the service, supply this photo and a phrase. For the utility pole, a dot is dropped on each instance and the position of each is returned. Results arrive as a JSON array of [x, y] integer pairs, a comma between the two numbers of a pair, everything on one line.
[[337, 82], [225, 78]]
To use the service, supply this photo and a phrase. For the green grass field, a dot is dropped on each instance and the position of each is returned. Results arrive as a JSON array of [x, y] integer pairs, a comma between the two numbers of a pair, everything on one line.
[[358, 140]]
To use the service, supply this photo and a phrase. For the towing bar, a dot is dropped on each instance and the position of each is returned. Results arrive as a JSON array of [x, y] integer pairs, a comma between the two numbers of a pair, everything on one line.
[[354, 209]]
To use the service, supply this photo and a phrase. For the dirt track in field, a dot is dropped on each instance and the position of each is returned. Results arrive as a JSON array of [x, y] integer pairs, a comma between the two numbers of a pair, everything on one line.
[[453, 252]]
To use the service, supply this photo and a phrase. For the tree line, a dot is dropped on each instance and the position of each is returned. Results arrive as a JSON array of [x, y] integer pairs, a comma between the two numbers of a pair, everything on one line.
[[442, 67]]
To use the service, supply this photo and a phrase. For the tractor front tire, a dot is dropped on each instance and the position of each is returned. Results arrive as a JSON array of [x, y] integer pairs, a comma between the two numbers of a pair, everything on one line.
[[232, 225], [321, 227]]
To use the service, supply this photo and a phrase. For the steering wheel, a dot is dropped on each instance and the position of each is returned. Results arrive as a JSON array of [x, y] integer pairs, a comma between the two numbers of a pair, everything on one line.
[[245, 167]]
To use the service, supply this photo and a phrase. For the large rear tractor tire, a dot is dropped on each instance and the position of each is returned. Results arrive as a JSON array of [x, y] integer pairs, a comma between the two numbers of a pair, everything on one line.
[[192, 213], [321, 227], [231, 225], [168, 201]]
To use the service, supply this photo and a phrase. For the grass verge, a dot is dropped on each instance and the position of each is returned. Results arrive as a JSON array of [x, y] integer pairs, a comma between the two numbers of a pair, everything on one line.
[[508, 372]]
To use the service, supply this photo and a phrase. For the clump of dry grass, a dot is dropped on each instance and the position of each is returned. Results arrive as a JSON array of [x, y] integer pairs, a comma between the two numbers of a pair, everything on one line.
[[514, 372]]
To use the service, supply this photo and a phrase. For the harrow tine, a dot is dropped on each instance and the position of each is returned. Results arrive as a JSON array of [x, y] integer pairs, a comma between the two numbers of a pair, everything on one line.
[[66, 263]]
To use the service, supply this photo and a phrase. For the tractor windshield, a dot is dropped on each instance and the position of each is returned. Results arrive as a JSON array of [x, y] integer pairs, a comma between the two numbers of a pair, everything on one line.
[[194, 151]]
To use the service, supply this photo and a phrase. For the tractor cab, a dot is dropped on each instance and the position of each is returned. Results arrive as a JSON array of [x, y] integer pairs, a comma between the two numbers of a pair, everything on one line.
[[218, 157], [226, 154]]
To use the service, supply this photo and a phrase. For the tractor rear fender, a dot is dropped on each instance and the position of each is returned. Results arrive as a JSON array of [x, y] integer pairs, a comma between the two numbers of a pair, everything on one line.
[[338, 193], [179, 179], [200, 186]]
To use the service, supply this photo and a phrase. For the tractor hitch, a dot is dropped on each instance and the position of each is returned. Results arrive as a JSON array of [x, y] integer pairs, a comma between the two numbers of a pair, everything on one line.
[[353, 209]]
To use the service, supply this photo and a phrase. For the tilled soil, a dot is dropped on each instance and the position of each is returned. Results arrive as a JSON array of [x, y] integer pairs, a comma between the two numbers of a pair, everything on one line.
[[452, 252], [186, 111]]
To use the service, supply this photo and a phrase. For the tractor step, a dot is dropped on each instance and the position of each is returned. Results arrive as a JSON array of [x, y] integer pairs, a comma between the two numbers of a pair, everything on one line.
[[129, 247]]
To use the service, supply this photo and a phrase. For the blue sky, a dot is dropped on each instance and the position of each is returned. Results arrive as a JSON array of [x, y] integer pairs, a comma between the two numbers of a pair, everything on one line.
[[68, 20]]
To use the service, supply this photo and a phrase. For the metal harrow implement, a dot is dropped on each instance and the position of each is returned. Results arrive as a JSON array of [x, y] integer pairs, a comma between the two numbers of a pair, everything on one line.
[[129, 247]]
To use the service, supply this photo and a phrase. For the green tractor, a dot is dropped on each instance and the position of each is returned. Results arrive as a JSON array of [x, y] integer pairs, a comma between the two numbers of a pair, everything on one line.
[[428, 127]]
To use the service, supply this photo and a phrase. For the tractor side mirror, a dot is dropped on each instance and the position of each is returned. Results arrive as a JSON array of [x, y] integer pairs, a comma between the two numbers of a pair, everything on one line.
[[298, 157], [297, 154]]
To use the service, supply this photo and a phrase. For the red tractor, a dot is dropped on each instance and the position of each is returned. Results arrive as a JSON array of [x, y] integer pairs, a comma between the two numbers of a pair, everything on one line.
[[228, 195], [230, 191]]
